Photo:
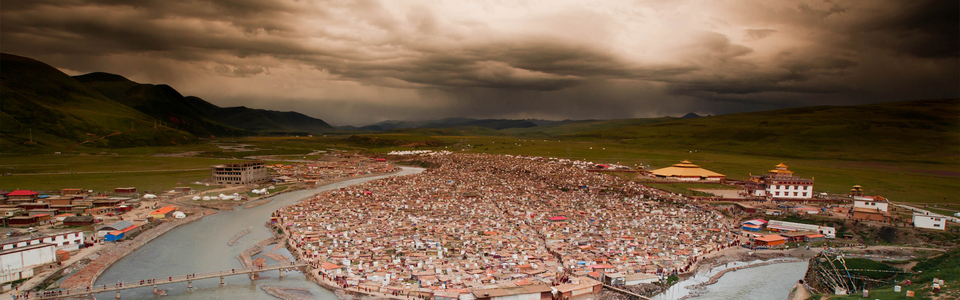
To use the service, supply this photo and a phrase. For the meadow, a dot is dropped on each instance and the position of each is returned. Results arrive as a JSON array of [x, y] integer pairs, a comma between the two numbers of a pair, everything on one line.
[[905, 181], [905, 151]]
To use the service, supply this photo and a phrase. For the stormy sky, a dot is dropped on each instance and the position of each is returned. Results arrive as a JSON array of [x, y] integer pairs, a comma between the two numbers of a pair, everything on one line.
[[357, 62]]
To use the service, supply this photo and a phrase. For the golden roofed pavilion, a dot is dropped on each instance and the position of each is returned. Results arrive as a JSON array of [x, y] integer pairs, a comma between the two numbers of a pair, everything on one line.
[[687, 171]]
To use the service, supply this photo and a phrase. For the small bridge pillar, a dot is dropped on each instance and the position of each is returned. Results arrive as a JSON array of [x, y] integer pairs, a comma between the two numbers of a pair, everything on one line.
[[154, 289], [189, 284], [118, 294], [281, 273], [221, 279]]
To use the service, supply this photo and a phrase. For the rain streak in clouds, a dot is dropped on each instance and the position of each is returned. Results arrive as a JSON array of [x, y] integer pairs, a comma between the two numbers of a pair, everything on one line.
[[356, 62]]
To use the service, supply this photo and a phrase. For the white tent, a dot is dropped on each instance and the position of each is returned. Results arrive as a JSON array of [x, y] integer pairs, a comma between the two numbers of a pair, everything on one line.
[[179, 215], [149, 196], [196, 198], [206, 198]]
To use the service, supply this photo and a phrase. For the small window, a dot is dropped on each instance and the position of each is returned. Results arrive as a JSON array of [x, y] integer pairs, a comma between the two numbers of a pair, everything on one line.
[[804, 194]]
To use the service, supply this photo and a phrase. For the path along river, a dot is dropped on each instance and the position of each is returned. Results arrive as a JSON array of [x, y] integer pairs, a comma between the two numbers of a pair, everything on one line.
[[201, 247]]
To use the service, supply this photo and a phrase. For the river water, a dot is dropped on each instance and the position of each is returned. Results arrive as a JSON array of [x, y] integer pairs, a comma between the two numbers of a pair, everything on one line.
[[201, 247], [761, 283]]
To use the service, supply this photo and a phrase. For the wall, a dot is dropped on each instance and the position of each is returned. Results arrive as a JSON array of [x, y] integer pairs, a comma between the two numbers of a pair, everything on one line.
[[930, 222]]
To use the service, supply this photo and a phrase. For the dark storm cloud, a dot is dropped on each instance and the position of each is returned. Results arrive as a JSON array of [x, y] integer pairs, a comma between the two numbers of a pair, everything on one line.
[[476, 58], [927, 29]]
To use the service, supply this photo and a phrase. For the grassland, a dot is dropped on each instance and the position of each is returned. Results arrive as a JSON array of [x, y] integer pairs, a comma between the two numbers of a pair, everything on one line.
[[139, 167], [909, 181], [946, 267], [907, 152], [149, 181]]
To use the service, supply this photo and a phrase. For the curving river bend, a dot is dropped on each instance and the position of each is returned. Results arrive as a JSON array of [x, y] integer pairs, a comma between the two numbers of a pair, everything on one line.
[[201, 247]]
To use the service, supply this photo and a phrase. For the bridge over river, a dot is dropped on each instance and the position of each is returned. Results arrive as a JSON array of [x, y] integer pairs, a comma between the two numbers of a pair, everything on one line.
[[253, 273]]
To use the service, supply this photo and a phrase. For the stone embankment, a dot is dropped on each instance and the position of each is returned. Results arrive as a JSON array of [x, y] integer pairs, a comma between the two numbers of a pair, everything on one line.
[[245, 257], [88, 274], [233, 241], [287, 293]]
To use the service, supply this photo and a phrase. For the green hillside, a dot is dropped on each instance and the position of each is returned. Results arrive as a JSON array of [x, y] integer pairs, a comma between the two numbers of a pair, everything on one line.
[[578, 127], [294, 121], [161, 102], [61, 112], [921, 131], [195, 115]]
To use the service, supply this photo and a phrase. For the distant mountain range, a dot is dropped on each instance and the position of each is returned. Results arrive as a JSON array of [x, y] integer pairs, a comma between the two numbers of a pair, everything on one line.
[[496, 124], [43, 106]]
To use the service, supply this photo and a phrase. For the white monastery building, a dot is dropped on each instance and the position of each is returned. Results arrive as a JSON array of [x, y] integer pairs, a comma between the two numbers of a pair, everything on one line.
[[780, 184]]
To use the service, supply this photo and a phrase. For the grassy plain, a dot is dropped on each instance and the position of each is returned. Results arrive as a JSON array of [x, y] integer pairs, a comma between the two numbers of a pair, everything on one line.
[[140, 167], [909, 181], [907, 152]]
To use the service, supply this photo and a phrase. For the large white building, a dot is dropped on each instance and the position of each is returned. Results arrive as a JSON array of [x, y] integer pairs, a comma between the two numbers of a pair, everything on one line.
[[18, 263], [929, 221], [826, 231], [239, 173], [67, 241], [780, 184]]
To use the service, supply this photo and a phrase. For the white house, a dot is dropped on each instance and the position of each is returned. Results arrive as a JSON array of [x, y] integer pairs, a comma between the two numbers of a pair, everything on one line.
[[640, 278], [929, 221], [869, 202], [529, 292], [18, 263]]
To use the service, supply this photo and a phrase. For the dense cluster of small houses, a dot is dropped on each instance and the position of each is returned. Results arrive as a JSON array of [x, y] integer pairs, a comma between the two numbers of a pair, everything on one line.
[[498, 225]]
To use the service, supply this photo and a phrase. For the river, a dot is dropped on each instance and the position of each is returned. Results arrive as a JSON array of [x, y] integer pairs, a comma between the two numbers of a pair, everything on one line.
[[761, 283], [201, 247]]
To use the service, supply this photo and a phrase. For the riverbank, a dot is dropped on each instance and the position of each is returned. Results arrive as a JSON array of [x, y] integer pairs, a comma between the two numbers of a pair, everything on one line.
[[698, 289], [264, 200], [89, 273]]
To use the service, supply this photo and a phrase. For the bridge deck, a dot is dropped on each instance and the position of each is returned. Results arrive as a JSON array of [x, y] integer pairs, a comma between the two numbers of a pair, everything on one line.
[[60, 294]]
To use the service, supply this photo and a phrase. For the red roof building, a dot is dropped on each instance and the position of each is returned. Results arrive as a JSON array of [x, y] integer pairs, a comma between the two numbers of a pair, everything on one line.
[[163, 212], [21, 196], [770, 240]]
